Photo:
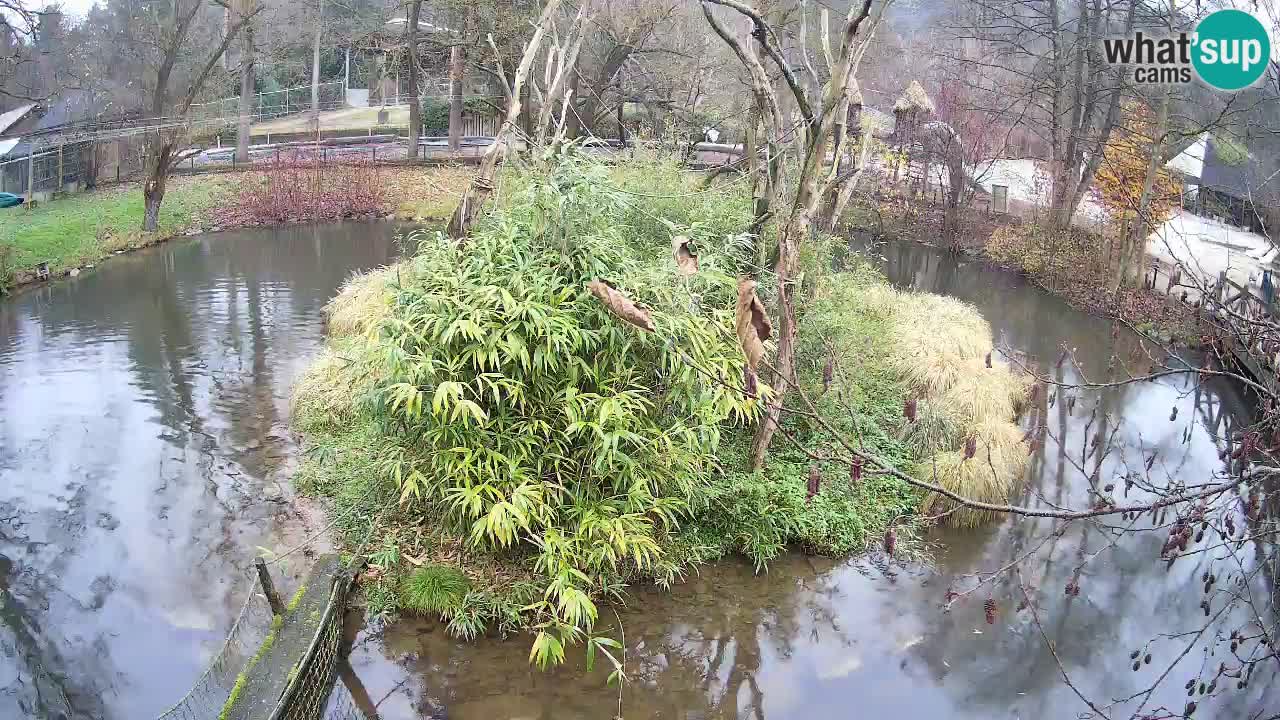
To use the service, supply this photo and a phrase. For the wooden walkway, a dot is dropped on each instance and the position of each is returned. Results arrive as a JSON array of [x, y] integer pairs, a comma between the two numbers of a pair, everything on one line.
[[1249, 324]]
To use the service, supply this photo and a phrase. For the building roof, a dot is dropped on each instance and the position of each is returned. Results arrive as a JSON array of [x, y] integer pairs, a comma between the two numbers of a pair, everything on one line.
[[8, 119], [423, 25], [1190, 162], [1225, 171]]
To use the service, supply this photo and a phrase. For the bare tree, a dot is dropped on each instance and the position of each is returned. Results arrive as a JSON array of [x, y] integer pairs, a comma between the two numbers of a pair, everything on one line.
[[818, 112], [457, 73], [1047, 55], [18, 29], [173, 35], [315, 68], [561, 63], [481, 187], [248, 79]]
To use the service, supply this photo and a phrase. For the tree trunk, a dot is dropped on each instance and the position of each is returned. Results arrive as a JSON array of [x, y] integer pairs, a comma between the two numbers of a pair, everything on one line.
[[566, 59], [415, 105], [951, 212], [573, 123], [247, 87], [851, 183], [456, 68], [1134, 248], [154, 186], [457, 78], [315, 70]]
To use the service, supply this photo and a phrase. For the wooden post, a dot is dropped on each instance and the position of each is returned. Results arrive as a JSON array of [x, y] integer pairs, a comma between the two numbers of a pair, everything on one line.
[[58, 187], [622, 132], [268, 587], [31, 172]]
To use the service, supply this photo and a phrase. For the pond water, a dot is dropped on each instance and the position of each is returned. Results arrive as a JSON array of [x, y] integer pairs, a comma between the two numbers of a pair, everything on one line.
[[144, 457], [814, 638]]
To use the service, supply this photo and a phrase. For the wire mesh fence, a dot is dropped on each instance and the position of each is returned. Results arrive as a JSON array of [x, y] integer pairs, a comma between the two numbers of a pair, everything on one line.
[[343, 706], [272, 104], [307, 694], [309, 688], [210, 693], [47, 170]]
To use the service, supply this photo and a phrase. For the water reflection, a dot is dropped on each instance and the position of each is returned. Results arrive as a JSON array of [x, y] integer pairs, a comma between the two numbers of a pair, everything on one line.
[[143, 457], [816, 639]]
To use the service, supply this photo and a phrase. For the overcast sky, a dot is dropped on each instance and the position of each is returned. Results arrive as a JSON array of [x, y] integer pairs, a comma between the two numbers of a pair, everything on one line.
[[1267, 10]]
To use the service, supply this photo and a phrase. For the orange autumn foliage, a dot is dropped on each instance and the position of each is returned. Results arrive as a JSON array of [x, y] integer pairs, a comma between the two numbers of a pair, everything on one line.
[[1124, 168]]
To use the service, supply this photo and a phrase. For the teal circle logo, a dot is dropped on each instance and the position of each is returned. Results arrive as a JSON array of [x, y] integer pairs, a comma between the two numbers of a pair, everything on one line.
[[1232, 49]]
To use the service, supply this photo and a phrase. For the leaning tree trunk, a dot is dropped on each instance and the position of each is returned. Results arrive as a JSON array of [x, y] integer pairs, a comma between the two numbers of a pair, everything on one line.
[[850, 184], [477, 194], [415, 107]]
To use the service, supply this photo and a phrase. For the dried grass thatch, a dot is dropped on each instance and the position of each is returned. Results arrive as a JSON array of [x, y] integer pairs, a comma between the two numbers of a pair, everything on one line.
[[363, 303], [933, 430], [881, 299], [913, 98], [982, 394], [932, 373], [937, 340]]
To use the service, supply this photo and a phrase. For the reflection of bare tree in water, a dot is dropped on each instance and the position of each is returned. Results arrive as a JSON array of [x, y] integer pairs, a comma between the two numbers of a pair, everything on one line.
[[723, 642], [1128, 520], [43, 687]]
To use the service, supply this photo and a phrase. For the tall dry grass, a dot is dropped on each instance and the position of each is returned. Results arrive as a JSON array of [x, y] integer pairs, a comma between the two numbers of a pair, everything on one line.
[[363, 302], [324, 396], [941, 346]]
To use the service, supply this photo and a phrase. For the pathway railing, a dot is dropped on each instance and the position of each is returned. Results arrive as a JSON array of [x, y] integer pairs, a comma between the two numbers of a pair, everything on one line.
[[227, 687]]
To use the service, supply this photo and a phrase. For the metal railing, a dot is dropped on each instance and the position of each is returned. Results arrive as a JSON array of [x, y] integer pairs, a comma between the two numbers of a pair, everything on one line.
[[272, 104]]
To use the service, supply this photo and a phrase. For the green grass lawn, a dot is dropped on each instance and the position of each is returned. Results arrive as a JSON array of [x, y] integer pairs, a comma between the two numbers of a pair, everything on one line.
[[79, 229]]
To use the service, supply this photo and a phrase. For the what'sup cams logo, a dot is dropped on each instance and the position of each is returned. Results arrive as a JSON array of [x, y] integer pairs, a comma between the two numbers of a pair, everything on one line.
[[1229, 50]]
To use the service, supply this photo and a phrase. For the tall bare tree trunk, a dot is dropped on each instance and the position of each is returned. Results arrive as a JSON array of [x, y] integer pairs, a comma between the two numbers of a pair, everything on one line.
[[565, 60], [812, 184], [415, 104], [315, 69], [457, 70], [247, 87], [160, 153]]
